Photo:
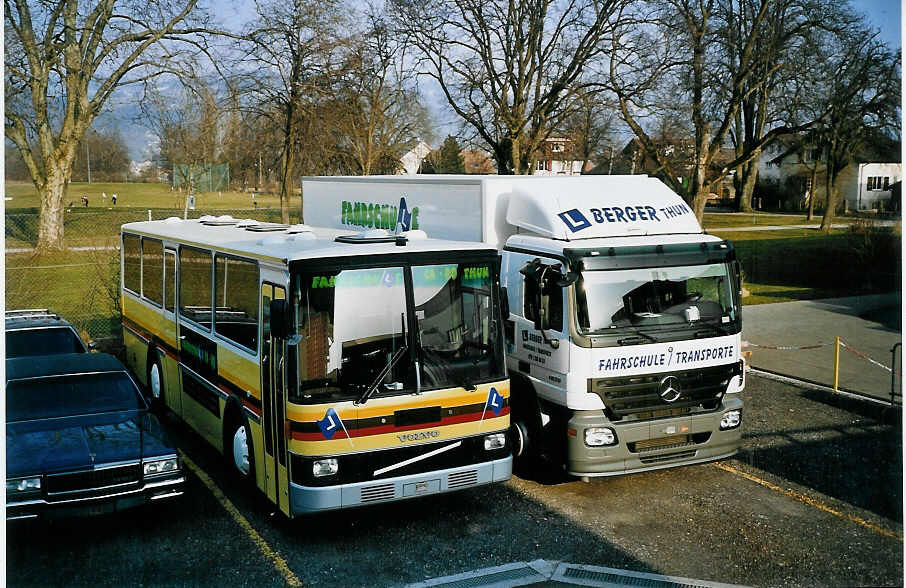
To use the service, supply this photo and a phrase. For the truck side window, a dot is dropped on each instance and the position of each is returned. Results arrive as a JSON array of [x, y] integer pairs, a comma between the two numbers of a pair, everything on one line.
[[554, 293]]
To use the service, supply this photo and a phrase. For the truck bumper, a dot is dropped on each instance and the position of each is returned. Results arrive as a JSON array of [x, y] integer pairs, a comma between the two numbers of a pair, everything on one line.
[[306, 499], [654, 444]]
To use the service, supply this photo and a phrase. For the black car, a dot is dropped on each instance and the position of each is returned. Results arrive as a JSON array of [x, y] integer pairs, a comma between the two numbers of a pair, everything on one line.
[[40, 332], [81, 440]]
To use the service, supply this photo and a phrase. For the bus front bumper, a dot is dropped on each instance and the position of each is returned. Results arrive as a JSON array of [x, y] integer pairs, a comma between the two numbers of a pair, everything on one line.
[[307, 499], [654, 444]]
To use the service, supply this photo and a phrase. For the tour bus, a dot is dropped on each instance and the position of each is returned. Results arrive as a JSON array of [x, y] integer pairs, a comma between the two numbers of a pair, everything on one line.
[[622, 316], [333, 369]]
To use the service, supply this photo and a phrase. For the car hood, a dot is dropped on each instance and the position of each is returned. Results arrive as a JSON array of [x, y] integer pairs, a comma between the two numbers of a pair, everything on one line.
[[81, 442]]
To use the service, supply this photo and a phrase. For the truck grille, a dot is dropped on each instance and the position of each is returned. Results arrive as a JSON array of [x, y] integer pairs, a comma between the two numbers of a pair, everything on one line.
[[639, 396], [93, 479]]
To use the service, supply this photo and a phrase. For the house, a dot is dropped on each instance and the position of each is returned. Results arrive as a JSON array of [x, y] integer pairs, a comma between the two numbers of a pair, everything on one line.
[[411, 162], [796, 169], [554, 159]]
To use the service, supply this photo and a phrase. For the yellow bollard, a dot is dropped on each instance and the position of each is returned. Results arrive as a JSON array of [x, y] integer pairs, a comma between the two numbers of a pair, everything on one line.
[[836, 363]]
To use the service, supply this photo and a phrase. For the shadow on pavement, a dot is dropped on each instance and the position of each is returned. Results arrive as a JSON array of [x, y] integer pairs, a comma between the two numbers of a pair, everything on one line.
[[824, 459]]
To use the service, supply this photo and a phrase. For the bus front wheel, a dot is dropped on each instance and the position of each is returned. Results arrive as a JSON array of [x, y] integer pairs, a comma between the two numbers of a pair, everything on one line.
[[156, 384], [239, 449]]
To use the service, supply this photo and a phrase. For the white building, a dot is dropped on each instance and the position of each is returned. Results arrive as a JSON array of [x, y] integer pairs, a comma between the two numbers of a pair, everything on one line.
[[874, 181], [552, 161]]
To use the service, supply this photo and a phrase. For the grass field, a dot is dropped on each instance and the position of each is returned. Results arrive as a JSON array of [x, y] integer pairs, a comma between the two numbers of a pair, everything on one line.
[[714, 220], [24, 195]]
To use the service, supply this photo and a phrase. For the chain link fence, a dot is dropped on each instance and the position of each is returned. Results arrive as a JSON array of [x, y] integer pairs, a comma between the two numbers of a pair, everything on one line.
[[82, 282]]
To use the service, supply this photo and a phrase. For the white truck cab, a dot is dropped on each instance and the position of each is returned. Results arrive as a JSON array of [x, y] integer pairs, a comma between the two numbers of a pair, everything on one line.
[[622, 316]]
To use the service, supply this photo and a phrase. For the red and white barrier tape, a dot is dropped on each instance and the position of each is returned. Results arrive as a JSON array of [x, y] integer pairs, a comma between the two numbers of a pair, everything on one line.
[[861, 355], [786, 348]]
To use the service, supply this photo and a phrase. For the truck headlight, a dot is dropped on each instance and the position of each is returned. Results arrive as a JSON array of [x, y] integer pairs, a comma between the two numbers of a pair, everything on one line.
[[495, 441], [599, 436], [23, 485], [160, 466], [730, 420], [325, 467]]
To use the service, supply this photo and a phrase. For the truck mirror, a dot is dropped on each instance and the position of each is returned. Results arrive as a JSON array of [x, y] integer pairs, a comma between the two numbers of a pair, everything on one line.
[[504, 304], [279, 319]]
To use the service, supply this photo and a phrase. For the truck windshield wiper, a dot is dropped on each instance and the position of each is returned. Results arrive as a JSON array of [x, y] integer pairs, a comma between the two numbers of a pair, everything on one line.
[[636, 338], [712, 328]]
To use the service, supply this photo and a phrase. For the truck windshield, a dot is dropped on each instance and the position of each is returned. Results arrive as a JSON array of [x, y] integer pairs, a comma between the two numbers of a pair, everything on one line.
[[355, 340], [657, 299]]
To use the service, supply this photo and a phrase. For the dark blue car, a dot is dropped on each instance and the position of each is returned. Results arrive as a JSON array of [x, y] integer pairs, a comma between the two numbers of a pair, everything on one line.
[[81, 440]]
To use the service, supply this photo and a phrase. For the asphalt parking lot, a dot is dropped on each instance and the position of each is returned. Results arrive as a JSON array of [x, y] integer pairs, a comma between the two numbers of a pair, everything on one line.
[[813, 499]]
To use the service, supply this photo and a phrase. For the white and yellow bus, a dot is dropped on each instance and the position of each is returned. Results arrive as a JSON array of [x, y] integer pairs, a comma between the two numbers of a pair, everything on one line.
[[332, 369]]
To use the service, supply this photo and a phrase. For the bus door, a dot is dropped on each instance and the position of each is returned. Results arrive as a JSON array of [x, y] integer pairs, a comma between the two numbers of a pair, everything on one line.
[[273, 403], [172, 395]]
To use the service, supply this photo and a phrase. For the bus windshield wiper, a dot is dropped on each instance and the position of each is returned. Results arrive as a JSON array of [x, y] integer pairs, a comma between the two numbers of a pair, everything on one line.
[[383, 374], [372, 388], [636, 338]]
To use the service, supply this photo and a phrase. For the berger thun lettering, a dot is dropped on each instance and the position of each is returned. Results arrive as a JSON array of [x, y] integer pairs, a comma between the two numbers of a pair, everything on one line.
[[624, 321], [333, 369]]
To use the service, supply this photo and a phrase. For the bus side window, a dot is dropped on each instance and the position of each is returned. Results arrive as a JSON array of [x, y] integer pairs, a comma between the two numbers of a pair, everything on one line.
[[195, 285]]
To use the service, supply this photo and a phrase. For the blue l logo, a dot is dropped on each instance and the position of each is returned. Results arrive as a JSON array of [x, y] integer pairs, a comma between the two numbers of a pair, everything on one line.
[[330, 424], [495, 402], [404, 218], [575, 220]]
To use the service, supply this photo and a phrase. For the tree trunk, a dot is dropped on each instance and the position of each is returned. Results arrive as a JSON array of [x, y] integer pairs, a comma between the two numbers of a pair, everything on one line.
[[749, 177], [811, 193], [50, 223], [832, 195], [286, 185]]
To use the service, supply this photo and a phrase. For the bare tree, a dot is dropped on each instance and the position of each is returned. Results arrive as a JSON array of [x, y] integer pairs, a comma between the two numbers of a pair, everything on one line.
[[589, 126], [509, 69], [382, 116], [292, 49], [697, 58], [63, 60], [861, 95]]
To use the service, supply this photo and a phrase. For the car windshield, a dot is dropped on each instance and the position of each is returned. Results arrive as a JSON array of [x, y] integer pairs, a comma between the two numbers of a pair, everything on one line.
[[44, 341], [656, 299], [71, 395]]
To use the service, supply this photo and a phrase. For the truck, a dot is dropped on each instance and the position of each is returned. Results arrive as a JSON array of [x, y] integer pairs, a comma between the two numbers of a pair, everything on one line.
[[622, 316]]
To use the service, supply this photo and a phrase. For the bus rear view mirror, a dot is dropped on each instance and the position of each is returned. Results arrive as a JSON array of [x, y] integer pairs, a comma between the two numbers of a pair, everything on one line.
[[279, 319]]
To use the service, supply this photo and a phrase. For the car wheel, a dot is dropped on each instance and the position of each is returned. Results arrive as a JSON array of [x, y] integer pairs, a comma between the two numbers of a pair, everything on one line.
[[240, 454], [156, 385]]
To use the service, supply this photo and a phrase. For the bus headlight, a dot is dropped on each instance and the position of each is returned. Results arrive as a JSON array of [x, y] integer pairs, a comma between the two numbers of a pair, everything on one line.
[[495, 441], [325, 467], [599, 436], [730, 420]]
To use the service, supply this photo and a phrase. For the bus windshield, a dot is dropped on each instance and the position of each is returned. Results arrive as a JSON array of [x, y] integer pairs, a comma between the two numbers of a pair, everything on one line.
[[653, 300], [356, 338]]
